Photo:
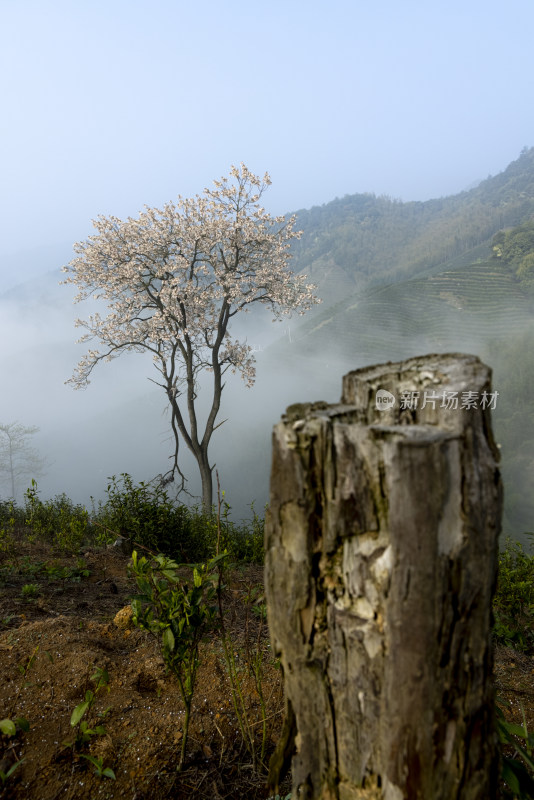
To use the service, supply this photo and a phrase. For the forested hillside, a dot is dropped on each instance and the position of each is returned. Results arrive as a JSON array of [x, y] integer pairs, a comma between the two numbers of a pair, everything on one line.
[[404, 279], [515, 248], [361, 240]]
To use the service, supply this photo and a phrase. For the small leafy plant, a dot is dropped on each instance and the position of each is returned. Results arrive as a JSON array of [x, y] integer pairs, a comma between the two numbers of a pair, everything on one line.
[[177, 611], [518, 775], [5, 776], [10, 726], [84, 732], [55, 571], [30, 591], [98, 764]]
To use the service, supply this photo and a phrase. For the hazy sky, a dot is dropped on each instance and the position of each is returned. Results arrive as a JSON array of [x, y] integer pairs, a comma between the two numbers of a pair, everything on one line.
[[107, 106]]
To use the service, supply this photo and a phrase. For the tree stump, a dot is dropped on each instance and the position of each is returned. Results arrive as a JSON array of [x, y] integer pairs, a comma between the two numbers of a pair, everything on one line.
[[380, 567]]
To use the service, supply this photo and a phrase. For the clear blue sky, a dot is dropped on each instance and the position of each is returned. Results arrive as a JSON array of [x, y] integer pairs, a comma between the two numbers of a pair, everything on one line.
[[107, 106]]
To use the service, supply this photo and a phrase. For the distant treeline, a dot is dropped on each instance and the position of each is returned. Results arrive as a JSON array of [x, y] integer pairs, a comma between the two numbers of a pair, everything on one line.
[[452, 274], [516, 248], [361, 240]]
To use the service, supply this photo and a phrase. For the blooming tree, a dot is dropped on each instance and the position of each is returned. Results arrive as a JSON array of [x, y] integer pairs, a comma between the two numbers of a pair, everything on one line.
[[173, 279]]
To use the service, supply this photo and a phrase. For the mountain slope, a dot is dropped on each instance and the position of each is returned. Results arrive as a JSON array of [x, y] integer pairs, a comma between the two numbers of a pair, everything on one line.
[[362, 240], [397, 279], [451, 310]]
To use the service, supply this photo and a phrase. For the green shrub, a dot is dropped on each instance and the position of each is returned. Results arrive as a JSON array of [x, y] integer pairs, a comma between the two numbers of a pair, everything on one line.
[[58, 521], [11, 515], [145, 515], [10, 519], [514, 599], [246, 541], [210, 533]]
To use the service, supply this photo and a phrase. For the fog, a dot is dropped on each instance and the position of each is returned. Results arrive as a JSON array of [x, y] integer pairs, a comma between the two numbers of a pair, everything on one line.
[[119, 423], [108, 107]]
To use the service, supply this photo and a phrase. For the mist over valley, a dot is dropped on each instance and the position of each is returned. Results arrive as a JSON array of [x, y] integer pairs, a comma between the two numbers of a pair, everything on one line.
[[397, 280]]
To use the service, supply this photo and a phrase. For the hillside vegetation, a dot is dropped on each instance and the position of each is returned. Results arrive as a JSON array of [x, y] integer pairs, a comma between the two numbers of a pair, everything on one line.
[[93, 646], [515, 248], [449, 275], [397, 280], [361, 240]]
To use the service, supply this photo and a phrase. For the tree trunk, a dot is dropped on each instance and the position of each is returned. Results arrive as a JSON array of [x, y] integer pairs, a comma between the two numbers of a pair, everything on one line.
[[206, 476], [380, 566]]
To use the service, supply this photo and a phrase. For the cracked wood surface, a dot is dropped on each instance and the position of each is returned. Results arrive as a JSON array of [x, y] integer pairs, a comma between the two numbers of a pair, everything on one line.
[[381, 557]]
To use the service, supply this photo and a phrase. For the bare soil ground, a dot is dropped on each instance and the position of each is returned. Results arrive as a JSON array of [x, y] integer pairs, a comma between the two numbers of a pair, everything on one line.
[[69, 627], [72, 625]]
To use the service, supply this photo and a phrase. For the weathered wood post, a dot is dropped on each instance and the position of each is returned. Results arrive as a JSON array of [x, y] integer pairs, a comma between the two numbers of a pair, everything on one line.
[[380, 565]]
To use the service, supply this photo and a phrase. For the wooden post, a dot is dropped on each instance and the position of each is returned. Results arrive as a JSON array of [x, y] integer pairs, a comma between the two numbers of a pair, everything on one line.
[[380, 566]]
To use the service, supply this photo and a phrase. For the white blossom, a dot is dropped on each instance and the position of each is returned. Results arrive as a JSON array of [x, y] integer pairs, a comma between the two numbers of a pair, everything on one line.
[[174, 278]]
